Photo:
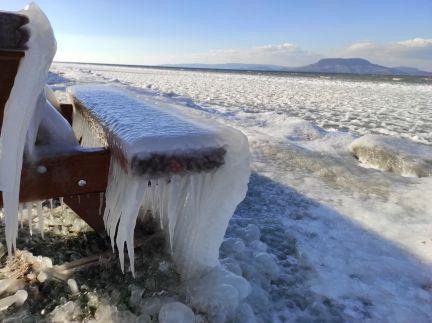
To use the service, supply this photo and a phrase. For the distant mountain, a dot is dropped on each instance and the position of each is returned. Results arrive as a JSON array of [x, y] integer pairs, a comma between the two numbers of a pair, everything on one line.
[[232, 66], [328, 65], [357, 66], [412, 71]]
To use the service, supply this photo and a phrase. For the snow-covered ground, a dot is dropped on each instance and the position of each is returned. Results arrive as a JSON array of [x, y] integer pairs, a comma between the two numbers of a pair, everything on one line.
[[320, 236]]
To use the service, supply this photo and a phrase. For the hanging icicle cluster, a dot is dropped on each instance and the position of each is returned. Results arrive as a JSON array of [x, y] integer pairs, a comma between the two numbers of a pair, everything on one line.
[[192, 207]]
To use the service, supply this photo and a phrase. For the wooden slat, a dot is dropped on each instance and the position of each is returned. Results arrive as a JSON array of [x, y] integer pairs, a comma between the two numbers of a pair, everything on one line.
[[9, 62], [6, 54], [64, 171], [66, 110]]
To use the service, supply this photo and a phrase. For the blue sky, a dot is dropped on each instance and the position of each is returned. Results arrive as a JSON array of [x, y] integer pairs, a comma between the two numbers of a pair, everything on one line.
[[290, 33]]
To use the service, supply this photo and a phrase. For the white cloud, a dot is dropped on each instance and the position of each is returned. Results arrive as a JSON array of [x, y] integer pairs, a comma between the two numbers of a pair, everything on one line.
[[285, 54], [415, 52]]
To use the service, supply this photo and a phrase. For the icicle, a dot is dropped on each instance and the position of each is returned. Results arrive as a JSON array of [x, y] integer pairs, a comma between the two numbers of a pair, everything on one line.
[[179, 193], [51, 207], [62, 204], [40, 217], [30, 216], [101, 200], [123, 200], [84, 131], [21, 215]]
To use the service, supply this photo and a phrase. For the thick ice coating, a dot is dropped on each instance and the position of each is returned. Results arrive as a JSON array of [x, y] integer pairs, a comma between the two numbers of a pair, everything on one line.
[[144, 138], [397, 155], [193, 207], [20, 112]]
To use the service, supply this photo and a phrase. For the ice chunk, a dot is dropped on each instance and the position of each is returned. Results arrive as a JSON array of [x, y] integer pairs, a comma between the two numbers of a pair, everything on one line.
[[250, 233], [245, 314], [218, 293], [233, 245], [73, 285], [10, 285], [69, 312], [20, 113], [150, 305], [19, 298], [42, 276], [176, 312], [397, 155], [136, 296], [294, 129], [266, 265]]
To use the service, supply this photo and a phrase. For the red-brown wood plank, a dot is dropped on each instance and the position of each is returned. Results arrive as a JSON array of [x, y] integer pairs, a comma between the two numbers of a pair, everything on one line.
[[66, 110], [64, 169], [9, 62], [63, 172]]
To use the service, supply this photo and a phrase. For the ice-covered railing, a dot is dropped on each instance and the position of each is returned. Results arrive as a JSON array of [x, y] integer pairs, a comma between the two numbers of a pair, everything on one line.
[[21, 111], [191, 174]]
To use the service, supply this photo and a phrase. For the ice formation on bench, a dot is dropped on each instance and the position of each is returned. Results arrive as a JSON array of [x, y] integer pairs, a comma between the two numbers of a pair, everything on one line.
[[20, 112], [193, 204]]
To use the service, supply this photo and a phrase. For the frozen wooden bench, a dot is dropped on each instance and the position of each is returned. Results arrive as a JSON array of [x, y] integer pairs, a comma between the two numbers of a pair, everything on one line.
[[126, 156], [80, 174]]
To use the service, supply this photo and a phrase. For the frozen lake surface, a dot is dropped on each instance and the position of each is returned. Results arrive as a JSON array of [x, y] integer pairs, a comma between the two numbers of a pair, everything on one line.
[[320, 236]]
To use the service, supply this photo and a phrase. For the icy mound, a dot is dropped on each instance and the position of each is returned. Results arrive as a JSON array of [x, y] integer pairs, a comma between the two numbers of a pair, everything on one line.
[[394, 154], [193, 208], [284, 127], [299, 129]]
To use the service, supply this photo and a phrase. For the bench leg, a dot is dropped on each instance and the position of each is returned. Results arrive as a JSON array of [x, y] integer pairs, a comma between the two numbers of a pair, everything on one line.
[[89, 208]]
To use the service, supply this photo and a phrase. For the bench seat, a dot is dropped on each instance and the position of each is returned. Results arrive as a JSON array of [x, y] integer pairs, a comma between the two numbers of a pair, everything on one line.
[[147, 139]]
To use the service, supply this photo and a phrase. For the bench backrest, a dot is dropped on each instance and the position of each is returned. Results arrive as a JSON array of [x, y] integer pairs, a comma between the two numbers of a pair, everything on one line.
[[13, 37]]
